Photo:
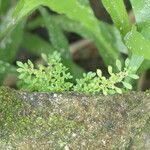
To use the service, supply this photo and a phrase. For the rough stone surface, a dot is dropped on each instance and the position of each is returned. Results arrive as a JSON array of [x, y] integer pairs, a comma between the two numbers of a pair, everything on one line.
[[52, 121]]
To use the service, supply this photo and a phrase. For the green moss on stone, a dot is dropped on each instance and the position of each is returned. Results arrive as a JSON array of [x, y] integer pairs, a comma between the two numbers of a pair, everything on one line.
[[36, 121]]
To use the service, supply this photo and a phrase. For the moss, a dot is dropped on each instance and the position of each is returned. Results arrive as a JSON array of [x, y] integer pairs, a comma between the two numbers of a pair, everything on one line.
[[21, 121], [12, 114], [60, 121]]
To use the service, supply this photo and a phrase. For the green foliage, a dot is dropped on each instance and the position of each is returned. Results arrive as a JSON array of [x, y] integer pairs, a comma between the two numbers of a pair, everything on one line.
[[141, 44], [141, 10], [52, 78], [90, 23], [119, 14], [92, 84]]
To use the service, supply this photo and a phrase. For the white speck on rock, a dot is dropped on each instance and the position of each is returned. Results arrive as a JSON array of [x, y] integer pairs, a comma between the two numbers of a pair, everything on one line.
[[66, 147], [55, 95]]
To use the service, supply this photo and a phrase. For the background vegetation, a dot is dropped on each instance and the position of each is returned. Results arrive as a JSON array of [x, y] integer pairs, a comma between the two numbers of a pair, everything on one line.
[[29, 28]]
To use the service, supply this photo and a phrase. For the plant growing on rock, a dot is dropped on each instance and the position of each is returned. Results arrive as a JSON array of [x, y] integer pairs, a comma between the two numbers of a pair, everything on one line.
[[53, 77], [93, 83]]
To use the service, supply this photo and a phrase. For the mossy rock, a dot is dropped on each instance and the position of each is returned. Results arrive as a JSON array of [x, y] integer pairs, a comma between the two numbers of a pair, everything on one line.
[[52, 121]]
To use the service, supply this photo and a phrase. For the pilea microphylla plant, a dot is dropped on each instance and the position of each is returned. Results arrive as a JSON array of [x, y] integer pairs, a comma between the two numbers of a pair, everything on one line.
[[77, 16], [54, 77]]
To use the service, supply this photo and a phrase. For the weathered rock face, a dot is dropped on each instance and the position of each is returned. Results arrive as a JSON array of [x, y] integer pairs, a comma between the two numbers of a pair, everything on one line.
[[43, 121]]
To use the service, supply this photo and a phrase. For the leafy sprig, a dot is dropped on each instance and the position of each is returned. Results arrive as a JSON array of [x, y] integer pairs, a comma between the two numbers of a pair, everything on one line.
[[52, 78], [93, 83]]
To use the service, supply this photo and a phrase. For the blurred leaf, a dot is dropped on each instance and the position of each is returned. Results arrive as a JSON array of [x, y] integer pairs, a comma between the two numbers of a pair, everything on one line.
[[141, 10], [110, 69], [35, 44], [137, 44], [7, 23], [119, 65], [118, 13], [109, 33], [60, 43], [56, 35], [134, 76], [109, 52], [127, 85], [99, 73], [72, 10], [6, 68], [146, 30], [4, 6], [10, 44]]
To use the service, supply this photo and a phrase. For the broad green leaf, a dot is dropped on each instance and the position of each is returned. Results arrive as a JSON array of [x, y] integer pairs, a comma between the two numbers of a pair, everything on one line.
[[7, 23], [4, 6], [56, 35], [141, 10], [118, 13], [137, 44], [72, 9], [35, 44], [146, 30], [109, 33], [10, 44], [142, 14]]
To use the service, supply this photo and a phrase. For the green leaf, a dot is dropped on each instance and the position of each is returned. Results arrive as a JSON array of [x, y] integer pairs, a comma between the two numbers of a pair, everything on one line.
[[56, 35], [108, 33], [72, 9], [6, 68], [119, 65], [99, 73], [127, 85], [44, 56], [4, 6], [134, 76], [7, 23], [137, 44], [118, 13], [35, 44], [60, 43], [141, 10], [127, 62], [30, 64], [9, 46], [20, 64], [118, 90], [110, 69], [146, 30]]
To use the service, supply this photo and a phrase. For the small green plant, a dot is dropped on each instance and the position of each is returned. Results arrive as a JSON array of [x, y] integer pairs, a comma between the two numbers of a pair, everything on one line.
[[53, 77], [93, 84]]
